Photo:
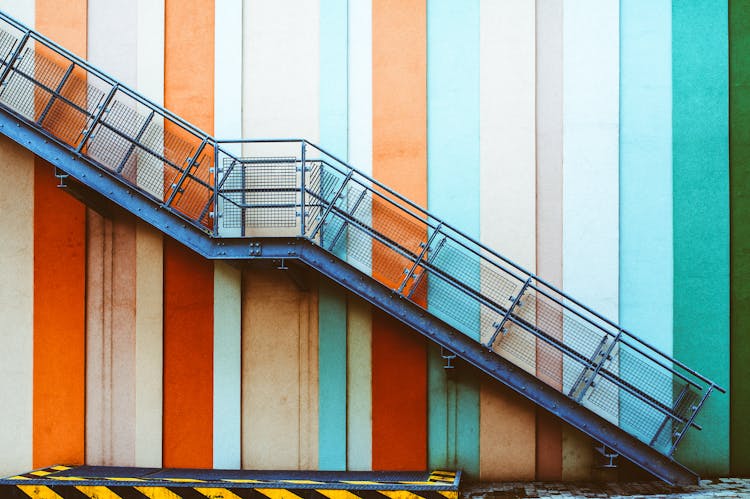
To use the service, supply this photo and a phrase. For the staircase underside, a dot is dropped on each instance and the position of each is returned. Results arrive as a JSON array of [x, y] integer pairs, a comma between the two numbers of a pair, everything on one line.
[[99, 189]]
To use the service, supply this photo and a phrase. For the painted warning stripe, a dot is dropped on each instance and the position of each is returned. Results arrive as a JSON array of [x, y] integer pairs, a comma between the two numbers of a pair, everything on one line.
[[71, 491], [432, 481], [40, 473]]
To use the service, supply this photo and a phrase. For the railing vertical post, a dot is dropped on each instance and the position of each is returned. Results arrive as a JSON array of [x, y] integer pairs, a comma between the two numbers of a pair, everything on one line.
[[335, 197], [419, 259], [191, 163], [689, 423], [12, 60], [216, 189], [604, 356], [303, 167], [499, 326], [97, 117], [54, 96], [136, 140]]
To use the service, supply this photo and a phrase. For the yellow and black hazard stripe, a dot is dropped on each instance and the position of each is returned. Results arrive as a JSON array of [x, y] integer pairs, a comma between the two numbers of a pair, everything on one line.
[[71, 491], [64, 482]]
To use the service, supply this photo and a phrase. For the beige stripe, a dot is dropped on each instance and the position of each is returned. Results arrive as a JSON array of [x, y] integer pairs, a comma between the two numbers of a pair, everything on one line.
[[16, 305], [507, 215]]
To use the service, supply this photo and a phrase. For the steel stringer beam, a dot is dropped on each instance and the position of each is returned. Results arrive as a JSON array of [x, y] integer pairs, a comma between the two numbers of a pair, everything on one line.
[[557, 403]]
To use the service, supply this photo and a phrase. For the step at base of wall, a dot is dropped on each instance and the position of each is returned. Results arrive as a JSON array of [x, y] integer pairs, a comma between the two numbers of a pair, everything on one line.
[[114, 481]]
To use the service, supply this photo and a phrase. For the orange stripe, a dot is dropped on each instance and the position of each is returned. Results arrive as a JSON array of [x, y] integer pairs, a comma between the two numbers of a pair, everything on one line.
[[188, 278], [59, 282], [399, 356]]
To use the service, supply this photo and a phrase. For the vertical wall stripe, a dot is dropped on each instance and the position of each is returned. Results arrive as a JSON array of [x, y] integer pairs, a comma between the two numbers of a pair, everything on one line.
[[507, 187], [17, 289], [188, 278], [359, 317], [149, 320], [332, 299], [701, 216], [452, 140], [227, 279], [280, 371], [227, 366], [16, 302], [645, 182], [739, 157], [110, 273], [399, 138], [549, 176], [590, 172], [646, 170], [148, 346], [59, 283]]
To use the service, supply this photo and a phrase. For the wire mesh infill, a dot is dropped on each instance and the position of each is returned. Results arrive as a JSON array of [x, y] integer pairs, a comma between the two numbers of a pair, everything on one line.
[[262, 192]]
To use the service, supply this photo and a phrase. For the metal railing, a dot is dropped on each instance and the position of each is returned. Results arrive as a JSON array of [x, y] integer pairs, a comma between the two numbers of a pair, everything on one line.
[[292, 187]]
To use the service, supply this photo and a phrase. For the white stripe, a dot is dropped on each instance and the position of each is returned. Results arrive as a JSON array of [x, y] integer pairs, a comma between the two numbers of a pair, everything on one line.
[[149, 258], [359, 323]]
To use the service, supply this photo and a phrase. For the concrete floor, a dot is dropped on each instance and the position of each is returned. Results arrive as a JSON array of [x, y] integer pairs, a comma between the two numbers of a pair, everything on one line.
[[718, 488]]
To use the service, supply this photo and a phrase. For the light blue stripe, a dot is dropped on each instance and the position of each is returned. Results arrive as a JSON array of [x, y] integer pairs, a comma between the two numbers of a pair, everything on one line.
[[227, 367], [701, 216], [452, 191], [645, 188], [332, 300]]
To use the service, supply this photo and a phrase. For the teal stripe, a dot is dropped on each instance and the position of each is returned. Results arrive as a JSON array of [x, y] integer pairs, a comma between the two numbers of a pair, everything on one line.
[[645, 206], [452, 187], [701, 216], [332, 300]]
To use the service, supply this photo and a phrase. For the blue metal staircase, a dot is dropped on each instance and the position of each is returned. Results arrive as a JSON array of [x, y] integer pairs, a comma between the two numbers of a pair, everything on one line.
[[291, 200]]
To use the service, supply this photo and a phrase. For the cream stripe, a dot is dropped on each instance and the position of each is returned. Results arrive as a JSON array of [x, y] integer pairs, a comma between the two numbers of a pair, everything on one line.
[[16, 289], [149, 259], [359, 322], [110, 292], [16, 306], [508, 209], [590, 174], [281, 65]]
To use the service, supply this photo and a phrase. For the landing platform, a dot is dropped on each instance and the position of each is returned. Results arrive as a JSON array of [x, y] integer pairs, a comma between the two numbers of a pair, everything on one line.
[[108, 482]]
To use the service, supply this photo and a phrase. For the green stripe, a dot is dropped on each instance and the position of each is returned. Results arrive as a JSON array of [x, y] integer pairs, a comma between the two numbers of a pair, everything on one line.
[[701, 216], [739, 160]]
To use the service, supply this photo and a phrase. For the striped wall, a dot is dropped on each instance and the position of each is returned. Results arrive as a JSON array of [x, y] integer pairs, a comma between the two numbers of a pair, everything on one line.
[[588, 140]]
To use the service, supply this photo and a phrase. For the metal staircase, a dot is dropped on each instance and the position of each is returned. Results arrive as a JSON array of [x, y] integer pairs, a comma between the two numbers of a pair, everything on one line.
[[289, 199]]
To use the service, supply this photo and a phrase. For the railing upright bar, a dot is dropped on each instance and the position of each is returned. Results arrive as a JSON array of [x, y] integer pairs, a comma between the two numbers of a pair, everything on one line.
[[16, 53], [178, 186], [419, 259], [97, 117], [499, 326], [303, 209], [216, 190], [330, 205], [136, 140], [54, 96], [692, 418]]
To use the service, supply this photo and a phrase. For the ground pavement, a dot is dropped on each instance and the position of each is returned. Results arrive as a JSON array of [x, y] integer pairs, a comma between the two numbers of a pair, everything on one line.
[[708, 489]]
